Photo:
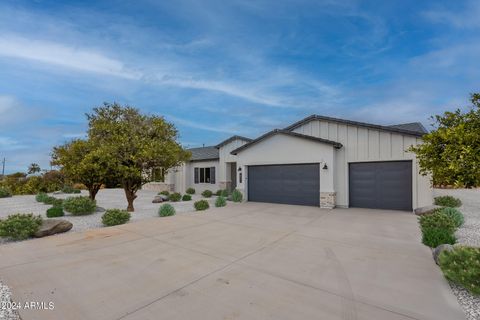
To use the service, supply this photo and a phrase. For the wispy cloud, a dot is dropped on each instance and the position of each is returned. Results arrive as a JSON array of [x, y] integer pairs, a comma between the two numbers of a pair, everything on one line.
[[463, 15]]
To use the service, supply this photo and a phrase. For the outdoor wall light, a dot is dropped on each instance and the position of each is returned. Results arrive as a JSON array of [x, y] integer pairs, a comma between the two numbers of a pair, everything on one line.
[[239, 169], [325, 167]]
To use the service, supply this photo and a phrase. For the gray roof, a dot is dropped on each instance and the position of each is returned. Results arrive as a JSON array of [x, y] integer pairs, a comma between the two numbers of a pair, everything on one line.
[[412, 126], [288, 133], [204, 153], [232, 138], [355, 123]]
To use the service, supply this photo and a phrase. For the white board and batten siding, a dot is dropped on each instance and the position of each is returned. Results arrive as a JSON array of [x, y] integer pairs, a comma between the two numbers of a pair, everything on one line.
[[362, 144]]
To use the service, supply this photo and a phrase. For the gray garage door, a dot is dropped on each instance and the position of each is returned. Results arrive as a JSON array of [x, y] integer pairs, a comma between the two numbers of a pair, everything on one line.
[[381, 185], [289, 184]]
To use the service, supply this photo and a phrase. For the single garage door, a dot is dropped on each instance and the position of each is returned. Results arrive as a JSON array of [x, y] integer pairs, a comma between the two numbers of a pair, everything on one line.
[[381, 185], [289, 184]]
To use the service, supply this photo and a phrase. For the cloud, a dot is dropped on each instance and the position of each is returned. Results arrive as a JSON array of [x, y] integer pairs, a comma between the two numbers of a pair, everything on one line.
[[62, 55], [231, 129], [9, 144], [466, 18]]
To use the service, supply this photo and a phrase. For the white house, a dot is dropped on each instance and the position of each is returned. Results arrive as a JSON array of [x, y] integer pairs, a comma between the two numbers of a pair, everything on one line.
[[318, 161]]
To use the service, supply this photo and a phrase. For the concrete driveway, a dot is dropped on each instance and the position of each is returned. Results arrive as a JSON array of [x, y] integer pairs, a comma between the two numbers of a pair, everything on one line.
[[247, 261]]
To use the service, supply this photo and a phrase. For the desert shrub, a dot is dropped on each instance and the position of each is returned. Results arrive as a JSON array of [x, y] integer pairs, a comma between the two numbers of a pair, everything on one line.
[[207, 193], [437, 229], [218, 193], [454, 214], [41, 197], [222, 193], [20, 226], [190, 191], [237, 196], [77, 191], [79, 186], [49, 200], [174, 197], [186, 197], [113, 217], [220, 202], [201, 205], [58, 203], [79, 206], [462, 266], [4, 193], [55, 211], [448, 201], [165, 193], [67, 189], [166, 210]]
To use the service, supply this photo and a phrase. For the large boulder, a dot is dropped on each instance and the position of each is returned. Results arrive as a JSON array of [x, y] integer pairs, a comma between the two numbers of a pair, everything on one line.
[[52, 226], [426, 210], [438, 250], [157, 199]]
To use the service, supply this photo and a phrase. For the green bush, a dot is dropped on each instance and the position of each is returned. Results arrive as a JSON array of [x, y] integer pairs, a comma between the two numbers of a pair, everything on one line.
[[55, 211], [437, 229], [448, 201], [20, 226], [165, 193], [79, 206], [207, 193], [237, 196], [58, 203], [49, 200], [454, 214], [186, 197], [77, 191], [220, 202], [166, 210], [174, 197], [190, 191], [67, 189], [40, 197], [462, 266], [222, 193], [201, 205], [218, 193], [4, 193], [113, 217]]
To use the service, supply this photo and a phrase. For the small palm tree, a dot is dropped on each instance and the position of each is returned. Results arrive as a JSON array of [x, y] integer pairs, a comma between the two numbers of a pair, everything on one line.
[[33, 168]]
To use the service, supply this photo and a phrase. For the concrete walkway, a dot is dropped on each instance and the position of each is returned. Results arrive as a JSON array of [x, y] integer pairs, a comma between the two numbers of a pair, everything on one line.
[[248, 261]]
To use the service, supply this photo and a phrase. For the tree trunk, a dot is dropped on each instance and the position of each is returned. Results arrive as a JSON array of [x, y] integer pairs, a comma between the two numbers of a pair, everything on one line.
[[131, 196], [92, 191]]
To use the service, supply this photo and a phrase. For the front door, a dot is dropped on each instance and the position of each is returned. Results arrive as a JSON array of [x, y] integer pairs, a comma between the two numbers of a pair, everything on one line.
[[233, 176]]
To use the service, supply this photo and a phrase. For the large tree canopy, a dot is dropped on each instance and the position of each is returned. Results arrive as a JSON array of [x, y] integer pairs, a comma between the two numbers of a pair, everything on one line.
[[451, 152], [135, 143]]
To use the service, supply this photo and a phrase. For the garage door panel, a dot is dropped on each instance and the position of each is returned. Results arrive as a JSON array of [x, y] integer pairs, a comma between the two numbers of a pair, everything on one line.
[[381, 185], [289, 184]]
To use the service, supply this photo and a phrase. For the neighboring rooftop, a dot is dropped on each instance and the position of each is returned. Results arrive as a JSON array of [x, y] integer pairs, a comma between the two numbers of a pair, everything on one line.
[[394, 128], [232, 138], [204, 153]]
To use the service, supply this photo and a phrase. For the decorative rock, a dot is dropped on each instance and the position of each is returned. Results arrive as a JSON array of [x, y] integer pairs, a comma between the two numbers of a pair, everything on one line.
[[438, 250], [164, 197], [157, 199], [426, 210], [52, 226]]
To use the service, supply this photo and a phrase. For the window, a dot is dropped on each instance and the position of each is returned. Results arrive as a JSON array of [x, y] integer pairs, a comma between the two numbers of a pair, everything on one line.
[[204, 175], [158, 175]]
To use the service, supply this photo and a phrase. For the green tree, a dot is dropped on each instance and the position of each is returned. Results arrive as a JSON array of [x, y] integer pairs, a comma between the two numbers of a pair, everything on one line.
[[135, 143], [451, 152], [82, 161], [33, 168]]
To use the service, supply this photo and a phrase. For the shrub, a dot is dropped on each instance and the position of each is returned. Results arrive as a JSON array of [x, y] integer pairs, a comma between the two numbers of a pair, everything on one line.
[[49, 200], [20, 226], [79, 186], [58, 203], [55, 211], [79, 206], [222, 193], [165, 193], [201, 205], [4, 193], [462, 266], [190, 191], [67, 189], [77, 191], [174, 197], [113, 217], [448, 201], [41, 197], [207, 193], [166, 210], [186, 197], [237, 196], [437, 229], [220, 202], [218, 193], [454, 214]]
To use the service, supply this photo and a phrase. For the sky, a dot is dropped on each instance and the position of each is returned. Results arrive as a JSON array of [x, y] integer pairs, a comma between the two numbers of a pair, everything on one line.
[[219, 68]]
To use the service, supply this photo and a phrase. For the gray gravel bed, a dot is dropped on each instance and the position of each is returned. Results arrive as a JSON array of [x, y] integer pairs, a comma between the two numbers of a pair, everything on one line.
[[468, 234], [5, 297]]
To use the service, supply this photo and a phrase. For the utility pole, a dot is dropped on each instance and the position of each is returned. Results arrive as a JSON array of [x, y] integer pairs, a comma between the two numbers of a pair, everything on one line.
[[3, 167]]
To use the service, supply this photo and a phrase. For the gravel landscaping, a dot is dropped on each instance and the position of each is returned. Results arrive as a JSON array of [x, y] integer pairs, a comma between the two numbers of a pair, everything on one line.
[[467, 234], [106, 199], [5, 297]]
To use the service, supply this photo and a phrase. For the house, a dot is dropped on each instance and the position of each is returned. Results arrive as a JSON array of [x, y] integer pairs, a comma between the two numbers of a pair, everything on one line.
[[318, 161]]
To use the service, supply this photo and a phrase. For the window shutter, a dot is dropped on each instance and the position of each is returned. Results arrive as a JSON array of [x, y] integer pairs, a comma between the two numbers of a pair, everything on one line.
[[195, 175], [212, 175]]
